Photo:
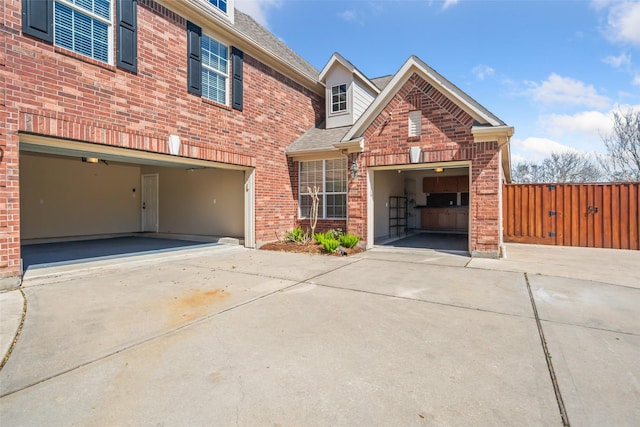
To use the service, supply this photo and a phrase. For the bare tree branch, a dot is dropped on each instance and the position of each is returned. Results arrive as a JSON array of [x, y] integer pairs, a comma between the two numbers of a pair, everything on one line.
[[622, 161], [561, 167]]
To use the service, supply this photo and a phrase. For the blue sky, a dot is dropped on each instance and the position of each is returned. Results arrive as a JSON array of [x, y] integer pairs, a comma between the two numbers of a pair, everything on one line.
[[555, 70]]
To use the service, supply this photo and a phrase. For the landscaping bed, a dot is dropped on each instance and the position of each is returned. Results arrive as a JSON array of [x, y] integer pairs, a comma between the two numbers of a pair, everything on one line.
[[308, 248]]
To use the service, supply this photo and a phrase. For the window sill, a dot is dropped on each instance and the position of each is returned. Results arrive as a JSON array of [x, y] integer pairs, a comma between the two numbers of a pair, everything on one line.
[[216, 104], [322, 219], [80, 57]]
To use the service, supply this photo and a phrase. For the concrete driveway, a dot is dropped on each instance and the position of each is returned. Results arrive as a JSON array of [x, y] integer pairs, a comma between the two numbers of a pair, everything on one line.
[[230, 336]]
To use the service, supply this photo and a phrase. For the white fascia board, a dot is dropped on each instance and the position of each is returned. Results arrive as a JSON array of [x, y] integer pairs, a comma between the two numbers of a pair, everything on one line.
[[336, 57], [492, 133], [353, 146], [412, 65], [317, 154]]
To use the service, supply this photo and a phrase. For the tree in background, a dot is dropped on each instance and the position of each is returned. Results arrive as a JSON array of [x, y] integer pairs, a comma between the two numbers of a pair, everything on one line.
[[564, 167], [622, 161]]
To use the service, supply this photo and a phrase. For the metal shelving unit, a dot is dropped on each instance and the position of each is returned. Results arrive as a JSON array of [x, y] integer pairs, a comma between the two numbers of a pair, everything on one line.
[[397, 215]]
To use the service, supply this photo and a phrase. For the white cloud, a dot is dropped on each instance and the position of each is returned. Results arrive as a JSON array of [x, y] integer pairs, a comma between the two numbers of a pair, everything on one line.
[[565, 90], [621, 61], [590, 124], [448, 3], [636, 80], [535, 149], [483, 71], [348, 15], [258, 9], [623, 19]]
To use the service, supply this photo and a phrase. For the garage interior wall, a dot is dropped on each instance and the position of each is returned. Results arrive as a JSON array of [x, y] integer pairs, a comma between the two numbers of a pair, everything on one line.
[[64, 197], [385, 184], [200, 201]]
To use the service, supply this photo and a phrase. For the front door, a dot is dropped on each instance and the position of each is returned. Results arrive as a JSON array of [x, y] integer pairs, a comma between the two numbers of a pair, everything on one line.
[[150, 202]]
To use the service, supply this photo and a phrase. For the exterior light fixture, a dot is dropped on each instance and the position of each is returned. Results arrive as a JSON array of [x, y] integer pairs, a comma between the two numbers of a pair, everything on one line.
[[439, 170], [90, 159], [354, 169]]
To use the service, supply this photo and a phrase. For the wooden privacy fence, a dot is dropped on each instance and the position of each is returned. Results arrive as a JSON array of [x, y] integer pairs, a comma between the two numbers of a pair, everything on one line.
[[590, 215]]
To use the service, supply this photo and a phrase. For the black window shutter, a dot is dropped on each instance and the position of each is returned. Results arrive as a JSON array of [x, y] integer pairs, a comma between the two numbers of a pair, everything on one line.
[[127, 35], [37, 19], [236, 87], [194, 59]]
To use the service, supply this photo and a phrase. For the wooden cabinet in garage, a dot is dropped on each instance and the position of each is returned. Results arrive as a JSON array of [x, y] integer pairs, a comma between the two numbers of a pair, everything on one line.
[[445, 219], [445, 184], [463, 184]]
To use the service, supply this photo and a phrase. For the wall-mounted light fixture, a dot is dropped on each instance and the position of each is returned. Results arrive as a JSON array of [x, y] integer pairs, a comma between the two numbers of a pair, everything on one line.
[[90, 159], [439, 170], [354, 169]]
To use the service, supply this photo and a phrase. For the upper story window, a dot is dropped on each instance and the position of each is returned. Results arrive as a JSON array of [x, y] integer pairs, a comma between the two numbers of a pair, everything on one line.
[[215, 70], [84, 27], [220, 4], [87, 27], [339, 98]]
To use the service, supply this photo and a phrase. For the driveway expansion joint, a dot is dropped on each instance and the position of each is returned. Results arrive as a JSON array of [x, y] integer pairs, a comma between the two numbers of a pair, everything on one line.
[[444, 304], [547, 355]]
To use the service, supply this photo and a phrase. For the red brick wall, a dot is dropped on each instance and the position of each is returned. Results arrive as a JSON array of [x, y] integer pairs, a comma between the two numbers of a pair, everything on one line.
[[53, 92], [446, 136]]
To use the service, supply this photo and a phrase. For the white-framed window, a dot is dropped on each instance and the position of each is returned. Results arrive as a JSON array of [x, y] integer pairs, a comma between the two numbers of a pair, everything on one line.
[[85, 27], [330, 176], [220, 4], [215, 70], [415, 123], [339, 98]]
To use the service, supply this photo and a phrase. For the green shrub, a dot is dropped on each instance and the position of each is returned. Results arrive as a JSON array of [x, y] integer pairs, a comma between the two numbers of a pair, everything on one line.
[[349, 240], [334, 233], [329, 244], [318, 237], [297, 235]]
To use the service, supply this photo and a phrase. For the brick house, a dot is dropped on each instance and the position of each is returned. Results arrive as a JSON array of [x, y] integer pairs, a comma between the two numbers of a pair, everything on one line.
[[188, 118]]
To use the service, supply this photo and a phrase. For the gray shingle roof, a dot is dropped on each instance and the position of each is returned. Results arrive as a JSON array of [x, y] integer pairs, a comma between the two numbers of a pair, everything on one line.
[[381, 82], [250, 28], [318, 138]]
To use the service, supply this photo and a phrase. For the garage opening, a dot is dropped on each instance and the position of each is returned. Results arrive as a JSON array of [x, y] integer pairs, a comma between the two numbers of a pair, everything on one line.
[[78, 203], [422, 206]]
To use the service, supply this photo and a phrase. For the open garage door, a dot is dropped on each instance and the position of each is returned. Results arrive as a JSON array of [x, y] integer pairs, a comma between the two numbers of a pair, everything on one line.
[[421, 206], [77, 191]]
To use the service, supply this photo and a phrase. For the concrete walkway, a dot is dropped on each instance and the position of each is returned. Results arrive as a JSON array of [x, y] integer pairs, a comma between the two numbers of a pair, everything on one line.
[[229, 336]]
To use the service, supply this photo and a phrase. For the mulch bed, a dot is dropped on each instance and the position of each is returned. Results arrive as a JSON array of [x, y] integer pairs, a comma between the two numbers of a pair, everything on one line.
[[310, 248]]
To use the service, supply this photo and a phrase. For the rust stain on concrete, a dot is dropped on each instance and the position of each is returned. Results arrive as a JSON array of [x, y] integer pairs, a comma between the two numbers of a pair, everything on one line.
[[195, 304]]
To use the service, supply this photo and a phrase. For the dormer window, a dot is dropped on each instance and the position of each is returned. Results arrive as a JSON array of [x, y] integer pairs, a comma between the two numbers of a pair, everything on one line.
[[220, 4], [339, 98]]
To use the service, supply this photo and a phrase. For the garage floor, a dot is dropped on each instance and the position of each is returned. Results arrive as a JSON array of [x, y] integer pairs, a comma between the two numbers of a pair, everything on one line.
[[60, 253], [446, 242]]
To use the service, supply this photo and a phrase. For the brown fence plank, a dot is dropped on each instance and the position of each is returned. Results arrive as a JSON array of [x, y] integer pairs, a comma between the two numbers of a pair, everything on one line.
[[589, 215], [634, 214], [615, 217], [624, 216], [606, 218], [556, 224], [597, 216]]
